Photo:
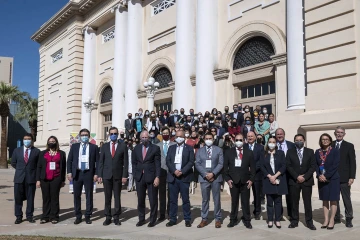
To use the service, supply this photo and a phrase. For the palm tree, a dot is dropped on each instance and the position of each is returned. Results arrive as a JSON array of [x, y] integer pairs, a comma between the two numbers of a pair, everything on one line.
[[28, 110], [8, 93]]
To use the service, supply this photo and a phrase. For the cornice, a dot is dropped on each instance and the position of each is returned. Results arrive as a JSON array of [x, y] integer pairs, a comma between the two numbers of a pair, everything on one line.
[[279, 59], [221, 74]]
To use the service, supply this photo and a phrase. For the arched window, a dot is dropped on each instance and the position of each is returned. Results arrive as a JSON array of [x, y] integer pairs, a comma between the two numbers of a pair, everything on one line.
[[106, 95], [163, 77], [254, 51]]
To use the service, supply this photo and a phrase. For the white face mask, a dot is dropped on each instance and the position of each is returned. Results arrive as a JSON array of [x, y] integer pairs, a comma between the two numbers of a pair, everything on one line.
[[246, 110], [208, 142], [265, 111], [187, 135], [239, 144], [271, 145], [179, 140]]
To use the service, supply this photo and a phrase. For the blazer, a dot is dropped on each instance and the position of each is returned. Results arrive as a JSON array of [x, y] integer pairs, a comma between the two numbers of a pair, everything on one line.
[[217, 163], [129, 124], [113, 167], [240, 118], [244, 130], [331, 164], [164, 168], [149, 168], [221, 132], [280, 166], [187, 164], [41, 168], [259, 154], [165, 121], [25, 172], [73, 159], [307, 167], [347, 166], [239, 174]]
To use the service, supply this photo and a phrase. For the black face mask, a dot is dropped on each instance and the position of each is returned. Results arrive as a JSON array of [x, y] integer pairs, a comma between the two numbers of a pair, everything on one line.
[[226, 110], [201, 132], [130, 117], [122, 135], [52, 145], [233, 124], [182, 112], [259, 140]]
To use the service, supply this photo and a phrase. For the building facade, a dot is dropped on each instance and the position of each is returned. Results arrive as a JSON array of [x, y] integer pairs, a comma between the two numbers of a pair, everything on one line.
[[298, 58]]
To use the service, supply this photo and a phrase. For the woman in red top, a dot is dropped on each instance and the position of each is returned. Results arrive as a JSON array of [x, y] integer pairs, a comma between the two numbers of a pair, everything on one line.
[[234, 129], [50, 177]]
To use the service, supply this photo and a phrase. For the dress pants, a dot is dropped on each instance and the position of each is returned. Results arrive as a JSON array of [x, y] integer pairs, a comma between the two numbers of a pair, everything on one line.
[[175, 188], [241, 191], [112, 186], [86, 179], [288, 204], [141, 188], [206, 187], [50, 195], [257, 190], [295, 197], [24, 191], [163, 194], [274, 202], [346, 197], [131, 181]]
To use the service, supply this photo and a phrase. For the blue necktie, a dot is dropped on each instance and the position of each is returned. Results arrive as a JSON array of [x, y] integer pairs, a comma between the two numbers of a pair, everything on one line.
[[165, 149], [83, 164]]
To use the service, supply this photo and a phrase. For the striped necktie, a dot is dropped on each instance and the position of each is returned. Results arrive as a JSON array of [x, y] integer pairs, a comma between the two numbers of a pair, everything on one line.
[[300, 155], [209, 152]]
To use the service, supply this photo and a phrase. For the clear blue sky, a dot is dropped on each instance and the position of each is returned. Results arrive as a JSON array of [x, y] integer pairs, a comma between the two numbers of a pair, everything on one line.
[[19, 19]]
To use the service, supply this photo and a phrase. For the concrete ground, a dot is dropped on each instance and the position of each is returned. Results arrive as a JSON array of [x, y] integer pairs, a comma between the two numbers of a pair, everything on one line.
[[128, 230]]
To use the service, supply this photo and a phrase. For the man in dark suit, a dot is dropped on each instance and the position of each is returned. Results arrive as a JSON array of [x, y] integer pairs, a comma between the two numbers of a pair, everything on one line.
[[284, 146], [113, 171], [347, 172], [180, 161], [258, 151], [238, 115], [174, 119], [81, 167], [239, 173], [146, 167], [164, 148], [220, 130], [129, 130], [300, 165], [25, 159]]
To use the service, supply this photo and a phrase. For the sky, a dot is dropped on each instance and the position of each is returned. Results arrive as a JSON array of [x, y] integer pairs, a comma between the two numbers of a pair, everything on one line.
[[19, 19]]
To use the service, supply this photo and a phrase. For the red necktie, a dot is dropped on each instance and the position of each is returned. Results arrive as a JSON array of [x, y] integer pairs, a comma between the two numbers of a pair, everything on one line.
[[113, 150], [240, 153], [26, 157], [144, 153]]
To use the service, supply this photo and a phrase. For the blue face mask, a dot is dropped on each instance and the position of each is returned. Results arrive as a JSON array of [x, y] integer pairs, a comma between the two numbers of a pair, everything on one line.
[[27, 143], [113, 137], [84, 139], [248, 122]]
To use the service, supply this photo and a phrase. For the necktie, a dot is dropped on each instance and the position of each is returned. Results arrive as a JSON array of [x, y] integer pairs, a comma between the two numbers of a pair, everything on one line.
[[26, 157], [280, 147], [300, 156], [250, 147], [113, 150], [83, 164], [240, 153], [165, 148], [337, 146], [84, 149], [209, 152], [144, 152]]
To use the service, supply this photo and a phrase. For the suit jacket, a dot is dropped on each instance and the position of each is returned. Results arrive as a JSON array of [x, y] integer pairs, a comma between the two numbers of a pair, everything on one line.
[[259, 154], [331, 164], [239, 174], [307, 167], [172, 121], [25, 172], [290, 145], [164, 168], [217, 163], [155, 140], [41, 168], [347, 166], [73, 159], [128, 126], [113, 167], [187, 164], [150, 167], [240, 118], [221, 132], [244, 130]]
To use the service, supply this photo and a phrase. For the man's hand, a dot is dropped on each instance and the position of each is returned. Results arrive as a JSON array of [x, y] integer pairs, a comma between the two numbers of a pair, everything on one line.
[[156, 182], [351, 181], [100, 179], [124, 180], [322, 178], [249, 184], [230, 182], [177, 173], [62, 185], [272, 179], [209, 176], [38, 184], [69, 177], [95, 178], [301, 179]]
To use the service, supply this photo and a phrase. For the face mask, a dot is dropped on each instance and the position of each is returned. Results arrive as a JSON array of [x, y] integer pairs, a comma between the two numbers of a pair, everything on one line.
[[176, 113], [134, 145], [259, 140], [214, 112], [122, 135], [248, 122], [151, 135], [137, 117], [171, 114], [235, 109], [265, 111], [27, 143], [144, 141], [239, 108], [182, 112], [113, 137], [179, 140], [194, 137], [52, 145], [271, 145], [153, 115], [140, 112], [173, 133], [84, 139], [247, 110], [166, 137], [201, 132], [187, 135], [239, 144], [146, 114], [129, 117], [208, 142], [299, 144], [195, 118], [226, 110], [192, 114]]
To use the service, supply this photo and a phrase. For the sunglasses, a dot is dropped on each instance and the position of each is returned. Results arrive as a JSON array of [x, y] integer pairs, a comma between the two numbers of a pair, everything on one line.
[[111, 134], [238, 140]]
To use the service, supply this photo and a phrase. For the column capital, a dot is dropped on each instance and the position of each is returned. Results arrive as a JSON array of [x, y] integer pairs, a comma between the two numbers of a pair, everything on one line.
[[150, 93], [88, 30], [123, 4]]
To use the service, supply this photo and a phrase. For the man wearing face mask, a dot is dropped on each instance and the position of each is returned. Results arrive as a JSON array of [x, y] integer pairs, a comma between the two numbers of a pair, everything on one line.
[[180, 162], [239, 173], [122, 137], [301, 165], [174, 119], [152, 137], [209, 164], [266, 114], [238, 115], [192, 114], [140, 113], [25, 160], [129, 130], [81, 167], [226, 111], [189, 121], [113, 171]]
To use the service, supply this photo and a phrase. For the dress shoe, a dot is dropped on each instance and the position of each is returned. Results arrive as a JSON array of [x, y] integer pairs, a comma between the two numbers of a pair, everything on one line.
[[161, 218], [278, 225], [257, 217], [107, 222], [140, 223], [43, 221], [330, 228], [31, 220], [270, 224], [18, 221], [88, 220], [77, 221], [231, 224], [217, 224], [311, 227], [170, 224], [348, 223], [117, 222], [202, 224], [151, 224], [293, 225], [248, 225], [337, 220], [323, 227], [187, 224]]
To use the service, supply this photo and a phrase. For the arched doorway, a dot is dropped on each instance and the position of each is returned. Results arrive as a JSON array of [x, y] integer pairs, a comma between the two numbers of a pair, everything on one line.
[[106, 110], [163, 77]]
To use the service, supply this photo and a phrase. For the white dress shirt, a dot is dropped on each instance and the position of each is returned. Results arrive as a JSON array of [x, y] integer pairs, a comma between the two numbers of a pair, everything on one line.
[[284, 147], [80, 154], [179, 151], [336, 142], [111, 144], [272, 162]]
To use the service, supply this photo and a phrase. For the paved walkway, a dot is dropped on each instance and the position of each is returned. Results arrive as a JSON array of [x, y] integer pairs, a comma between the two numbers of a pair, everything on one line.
[[128, 230]]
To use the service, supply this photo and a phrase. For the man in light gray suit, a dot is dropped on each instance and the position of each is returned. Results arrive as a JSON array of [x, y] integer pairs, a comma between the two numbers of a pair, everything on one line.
[[164, 146], [209, 163]]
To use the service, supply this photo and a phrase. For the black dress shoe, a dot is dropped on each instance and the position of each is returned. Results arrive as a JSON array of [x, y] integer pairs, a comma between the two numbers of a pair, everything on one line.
[[293, 225], [161, 218], [248, 225], [278, 226], [337, 220], [187, 224], [31, 220], [151, 225], [140, 223], [117, 222], [77, 221], [330, 228], [18, 221], [311, 227], [88, 220], [257, 217], [323, 227], [231, 224], [170, 224], [107, 222], [348, 223], [270, 226]]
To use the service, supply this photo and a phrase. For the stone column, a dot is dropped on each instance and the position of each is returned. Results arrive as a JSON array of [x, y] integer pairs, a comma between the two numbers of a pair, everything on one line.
[[133, 55], [118, 99], [150, 97], [295, 55], [206, 53], [185, 53], [88, 85]]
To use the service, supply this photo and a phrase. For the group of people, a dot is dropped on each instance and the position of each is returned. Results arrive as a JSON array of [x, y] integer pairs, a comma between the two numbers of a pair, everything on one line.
[[164, 152]]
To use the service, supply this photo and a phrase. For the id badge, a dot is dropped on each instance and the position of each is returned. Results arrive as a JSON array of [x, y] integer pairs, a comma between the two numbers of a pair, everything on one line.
[[153, 128], [208, 163], [52, 166], [177, 159], [237, 162], [84, 160]]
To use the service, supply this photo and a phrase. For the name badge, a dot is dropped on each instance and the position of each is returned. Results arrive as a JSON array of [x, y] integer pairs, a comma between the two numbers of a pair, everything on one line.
[[52, 166], [237, 162], [153, 128], [177, 159], [208, 163], [84, 160]]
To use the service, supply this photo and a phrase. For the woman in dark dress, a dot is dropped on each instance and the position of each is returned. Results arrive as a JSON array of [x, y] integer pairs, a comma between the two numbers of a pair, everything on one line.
[[328, 160], [274, 182]]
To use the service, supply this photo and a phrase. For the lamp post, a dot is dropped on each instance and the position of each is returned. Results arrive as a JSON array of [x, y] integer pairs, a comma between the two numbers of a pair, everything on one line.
[[89, 105], [151, 86]]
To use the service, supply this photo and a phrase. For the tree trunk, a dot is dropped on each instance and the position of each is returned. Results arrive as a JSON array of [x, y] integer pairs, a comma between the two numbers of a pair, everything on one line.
[[33, 132], [4, 151]]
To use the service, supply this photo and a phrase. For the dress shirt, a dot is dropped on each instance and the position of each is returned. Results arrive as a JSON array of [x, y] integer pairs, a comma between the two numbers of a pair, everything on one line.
[[80, 153], [235, 115], [179, 151], [284, 147], [29, 150], [272, 163], [302, 154], [336, 142], [251, 146]]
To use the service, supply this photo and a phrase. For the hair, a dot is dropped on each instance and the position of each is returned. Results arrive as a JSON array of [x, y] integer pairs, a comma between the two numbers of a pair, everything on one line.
[[84, 130], [166, 129], [299, 135], [114, 128], [29, 135], [261, 114], [57, 148], [239, 134], [326, 135], [267, 147], [271, 114], [280, 129], [209, 134], [340, 127]]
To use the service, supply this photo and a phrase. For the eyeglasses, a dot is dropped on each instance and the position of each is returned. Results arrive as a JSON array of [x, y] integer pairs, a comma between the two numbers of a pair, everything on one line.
[[111, 134], [325, 140], [238, 140], [213, 131]]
